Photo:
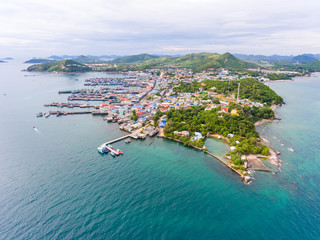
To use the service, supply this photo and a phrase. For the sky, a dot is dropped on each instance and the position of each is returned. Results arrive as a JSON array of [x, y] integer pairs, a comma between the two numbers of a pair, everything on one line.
[[39, 28]]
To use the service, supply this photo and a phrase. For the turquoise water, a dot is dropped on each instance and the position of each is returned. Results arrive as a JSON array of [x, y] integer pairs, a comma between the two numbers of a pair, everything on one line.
[[54, 184]]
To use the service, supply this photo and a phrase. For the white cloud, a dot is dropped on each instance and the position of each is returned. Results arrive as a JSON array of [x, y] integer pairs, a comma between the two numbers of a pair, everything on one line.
[[131, 26]]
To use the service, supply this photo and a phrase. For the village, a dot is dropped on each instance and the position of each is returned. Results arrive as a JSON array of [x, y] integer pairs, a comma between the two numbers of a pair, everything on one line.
[[139, 101], [133, 99]]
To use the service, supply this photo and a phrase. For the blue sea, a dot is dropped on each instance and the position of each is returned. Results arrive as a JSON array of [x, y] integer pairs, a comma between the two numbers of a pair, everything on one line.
[[55, 185]]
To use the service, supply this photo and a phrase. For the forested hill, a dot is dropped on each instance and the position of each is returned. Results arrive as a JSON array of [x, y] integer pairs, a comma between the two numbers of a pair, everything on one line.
[[62, 66], [195, 61], [250, 89], [134, 58]]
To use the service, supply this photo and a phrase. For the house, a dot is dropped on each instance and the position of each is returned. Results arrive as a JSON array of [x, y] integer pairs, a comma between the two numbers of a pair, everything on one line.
[[197, 136], [224, 110], [182, 133], [163, 124], [230, 135]]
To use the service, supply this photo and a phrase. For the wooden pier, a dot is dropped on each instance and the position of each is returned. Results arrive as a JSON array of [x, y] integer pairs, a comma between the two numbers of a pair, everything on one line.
[[116, 140]]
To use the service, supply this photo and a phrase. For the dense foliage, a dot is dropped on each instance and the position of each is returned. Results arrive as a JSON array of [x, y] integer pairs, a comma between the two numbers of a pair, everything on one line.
[[250, 89], [280, 76], [195, 119], [312, 66], [187, 87]]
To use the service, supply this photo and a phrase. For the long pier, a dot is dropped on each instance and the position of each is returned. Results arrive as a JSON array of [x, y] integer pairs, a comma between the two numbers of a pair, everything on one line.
[[116, 140]]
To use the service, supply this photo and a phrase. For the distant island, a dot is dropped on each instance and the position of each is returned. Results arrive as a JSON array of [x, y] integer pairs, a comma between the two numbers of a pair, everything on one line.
[[39, 60], [197, 62], [66, 66]]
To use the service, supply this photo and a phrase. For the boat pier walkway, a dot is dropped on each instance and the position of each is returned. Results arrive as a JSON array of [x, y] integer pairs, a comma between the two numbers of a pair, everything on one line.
[[116, 140]]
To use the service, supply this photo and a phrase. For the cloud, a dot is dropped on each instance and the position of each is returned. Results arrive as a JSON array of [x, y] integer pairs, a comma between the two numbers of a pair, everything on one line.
[[131, 26]]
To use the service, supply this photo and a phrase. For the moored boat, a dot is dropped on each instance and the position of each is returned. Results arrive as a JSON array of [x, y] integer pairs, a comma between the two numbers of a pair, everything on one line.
[[102, 149]]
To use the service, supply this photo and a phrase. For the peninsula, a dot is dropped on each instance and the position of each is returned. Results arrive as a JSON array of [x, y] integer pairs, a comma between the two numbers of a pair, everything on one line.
[[185, 105]]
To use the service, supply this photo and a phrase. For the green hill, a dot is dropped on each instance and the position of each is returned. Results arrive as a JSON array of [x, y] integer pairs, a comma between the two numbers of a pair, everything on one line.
[[62, 66], [195, 61], [134, 58], [303, 59], [312, 66]]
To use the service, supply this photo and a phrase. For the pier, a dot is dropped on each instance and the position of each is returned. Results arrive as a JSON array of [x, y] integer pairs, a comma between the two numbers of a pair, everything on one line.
[[116, 152], [65, 91], [116, 140]]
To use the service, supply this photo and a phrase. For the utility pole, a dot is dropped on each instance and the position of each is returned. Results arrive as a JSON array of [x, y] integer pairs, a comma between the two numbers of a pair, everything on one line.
[[238, 92]]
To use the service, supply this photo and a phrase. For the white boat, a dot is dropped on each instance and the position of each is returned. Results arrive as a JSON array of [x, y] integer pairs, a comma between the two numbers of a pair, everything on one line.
[[102, 149]]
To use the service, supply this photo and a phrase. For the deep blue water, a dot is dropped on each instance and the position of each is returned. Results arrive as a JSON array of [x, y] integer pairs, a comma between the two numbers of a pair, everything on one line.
[[54, 184]]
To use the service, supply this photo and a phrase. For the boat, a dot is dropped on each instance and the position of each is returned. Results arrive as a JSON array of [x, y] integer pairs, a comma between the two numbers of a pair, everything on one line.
[[128, 140], [119, 151], [102, 149], [109, 119], [112, 154], [46, 114], [40, 114]]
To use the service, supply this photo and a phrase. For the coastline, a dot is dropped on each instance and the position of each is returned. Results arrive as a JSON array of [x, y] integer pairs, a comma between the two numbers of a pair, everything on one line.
[[243, 177], [253, 160]]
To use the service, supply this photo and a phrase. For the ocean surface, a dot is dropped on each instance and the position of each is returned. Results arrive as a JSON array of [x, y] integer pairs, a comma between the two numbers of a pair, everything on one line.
[[55, 185]]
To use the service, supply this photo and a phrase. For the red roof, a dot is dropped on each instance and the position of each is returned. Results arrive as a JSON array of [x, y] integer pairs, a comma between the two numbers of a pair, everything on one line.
[[226, 109]]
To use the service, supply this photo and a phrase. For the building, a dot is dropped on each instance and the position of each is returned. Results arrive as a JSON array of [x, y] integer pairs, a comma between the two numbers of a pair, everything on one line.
[[182, 133]]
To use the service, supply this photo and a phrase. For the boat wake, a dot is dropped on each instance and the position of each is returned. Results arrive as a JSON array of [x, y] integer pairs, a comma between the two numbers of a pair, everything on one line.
[[291, 149]]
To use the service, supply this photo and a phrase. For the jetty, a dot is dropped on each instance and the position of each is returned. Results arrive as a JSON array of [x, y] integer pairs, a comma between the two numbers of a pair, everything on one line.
[[116, 140]]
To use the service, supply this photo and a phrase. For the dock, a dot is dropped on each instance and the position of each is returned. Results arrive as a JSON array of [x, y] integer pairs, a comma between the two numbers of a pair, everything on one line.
[[116, 140]]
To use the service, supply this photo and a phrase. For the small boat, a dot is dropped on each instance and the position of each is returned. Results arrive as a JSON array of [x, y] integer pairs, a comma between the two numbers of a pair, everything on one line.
[[119, 151], [40, 114], [109, 119], [46, 114], [128, 140], [112, 154], [102, 149]]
